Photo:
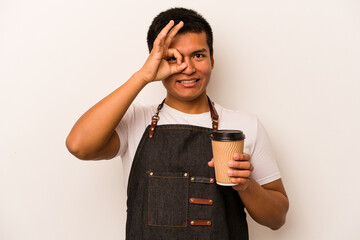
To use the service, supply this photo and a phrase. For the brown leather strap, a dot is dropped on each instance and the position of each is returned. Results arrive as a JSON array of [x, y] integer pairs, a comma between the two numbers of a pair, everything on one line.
[[214, 115], [201, 201], [202, 180], [155, 118], [200, 222]]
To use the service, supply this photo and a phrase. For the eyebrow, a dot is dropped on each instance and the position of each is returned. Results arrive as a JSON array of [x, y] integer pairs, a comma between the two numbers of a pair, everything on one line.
[[200, 51]]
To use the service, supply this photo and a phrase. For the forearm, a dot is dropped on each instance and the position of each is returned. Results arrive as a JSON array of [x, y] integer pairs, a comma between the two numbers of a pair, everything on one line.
[[95, 128], [93, 135], [267, 207]]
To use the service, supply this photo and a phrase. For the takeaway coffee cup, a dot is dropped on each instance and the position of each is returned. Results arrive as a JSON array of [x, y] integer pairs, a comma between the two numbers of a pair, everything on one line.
[[224, 144]]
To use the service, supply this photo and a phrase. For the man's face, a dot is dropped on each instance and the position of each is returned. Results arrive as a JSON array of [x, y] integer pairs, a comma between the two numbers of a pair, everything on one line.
[[191, 83]]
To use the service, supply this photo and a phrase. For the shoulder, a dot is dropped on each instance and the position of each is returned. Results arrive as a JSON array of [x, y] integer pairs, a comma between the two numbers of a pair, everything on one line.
[[235, 118], [256, 142], [138, 108], [138, 113], [239, 120]]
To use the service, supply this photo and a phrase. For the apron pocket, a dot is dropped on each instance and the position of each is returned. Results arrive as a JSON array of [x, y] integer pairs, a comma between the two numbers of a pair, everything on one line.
[[168, 199]]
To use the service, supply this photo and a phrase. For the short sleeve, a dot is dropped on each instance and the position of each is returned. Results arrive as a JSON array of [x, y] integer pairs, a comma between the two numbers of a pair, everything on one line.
[[122, 130], [262, 158], [132, 126]]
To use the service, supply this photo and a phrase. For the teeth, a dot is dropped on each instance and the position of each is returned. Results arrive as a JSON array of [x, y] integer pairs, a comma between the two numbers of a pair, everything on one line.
[[190, 81]]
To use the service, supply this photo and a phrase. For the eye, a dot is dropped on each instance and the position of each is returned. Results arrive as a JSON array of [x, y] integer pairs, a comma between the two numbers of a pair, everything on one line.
[[171, 59], [199, 55]]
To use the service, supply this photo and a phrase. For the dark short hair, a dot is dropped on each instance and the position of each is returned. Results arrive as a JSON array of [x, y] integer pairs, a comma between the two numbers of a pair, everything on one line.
[[193, 22]]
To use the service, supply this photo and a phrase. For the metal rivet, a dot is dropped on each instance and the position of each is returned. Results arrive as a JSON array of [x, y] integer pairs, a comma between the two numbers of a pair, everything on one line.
[[150, 135], [151, 173], [208, 222], [152, 129], [192, 222], [192, 179], [185, 174], [211, 180], [210, 201], [191, 200]]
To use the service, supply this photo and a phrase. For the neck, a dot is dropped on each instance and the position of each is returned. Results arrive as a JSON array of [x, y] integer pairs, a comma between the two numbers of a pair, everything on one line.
[[193, 106]]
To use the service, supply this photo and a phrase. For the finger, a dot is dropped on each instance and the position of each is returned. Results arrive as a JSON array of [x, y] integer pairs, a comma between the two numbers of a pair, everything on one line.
[[244, 165], [160, 39], [240, 181], [239, 173], [241, 157], [172, 52], [173, 32], [177, 68], [211, 163], [166, 29]]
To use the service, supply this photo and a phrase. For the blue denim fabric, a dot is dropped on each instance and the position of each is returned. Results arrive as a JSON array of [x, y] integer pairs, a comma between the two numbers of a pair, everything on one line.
[[159, 189]]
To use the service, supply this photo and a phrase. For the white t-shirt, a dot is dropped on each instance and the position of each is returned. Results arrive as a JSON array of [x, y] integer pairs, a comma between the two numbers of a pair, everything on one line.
[[257, 145]]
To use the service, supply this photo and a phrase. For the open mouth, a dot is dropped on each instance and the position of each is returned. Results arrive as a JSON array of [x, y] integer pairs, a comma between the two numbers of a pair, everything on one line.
[[188, 81]]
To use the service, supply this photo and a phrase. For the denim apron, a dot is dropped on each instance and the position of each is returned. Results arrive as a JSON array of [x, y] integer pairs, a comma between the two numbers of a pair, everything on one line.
[[172, 192]]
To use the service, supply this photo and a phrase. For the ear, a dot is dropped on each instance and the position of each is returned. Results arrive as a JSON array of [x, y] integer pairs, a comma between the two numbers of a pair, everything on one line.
[[212, 60]]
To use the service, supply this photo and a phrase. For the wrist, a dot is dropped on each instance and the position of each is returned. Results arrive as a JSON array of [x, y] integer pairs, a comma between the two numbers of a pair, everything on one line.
[[140, 78]]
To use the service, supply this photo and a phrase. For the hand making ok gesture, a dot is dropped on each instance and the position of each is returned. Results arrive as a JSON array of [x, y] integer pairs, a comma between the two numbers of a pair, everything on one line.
[[157, 66]]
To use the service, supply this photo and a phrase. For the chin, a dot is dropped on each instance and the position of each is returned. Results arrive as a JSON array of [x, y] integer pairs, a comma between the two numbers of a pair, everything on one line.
[[189, 97]]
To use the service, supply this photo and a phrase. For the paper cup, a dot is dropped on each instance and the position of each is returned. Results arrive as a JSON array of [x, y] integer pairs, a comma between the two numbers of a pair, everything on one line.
[[224, 144]]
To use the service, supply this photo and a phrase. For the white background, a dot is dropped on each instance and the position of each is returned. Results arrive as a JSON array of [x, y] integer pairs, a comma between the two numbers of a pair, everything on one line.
[[295, 64]]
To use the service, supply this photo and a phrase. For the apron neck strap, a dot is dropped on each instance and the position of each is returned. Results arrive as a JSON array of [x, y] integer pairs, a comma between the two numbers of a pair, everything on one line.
[[214, 115], [155, 118]]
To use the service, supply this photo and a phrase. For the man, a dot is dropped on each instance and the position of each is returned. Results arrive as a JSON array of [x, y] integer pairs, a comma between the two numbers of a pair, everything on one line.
[[166, 150]]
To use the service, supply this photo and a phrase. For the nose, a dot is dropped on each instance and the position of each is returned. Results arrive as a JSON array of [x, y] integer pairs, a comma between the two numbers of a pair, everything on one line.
[[190, 69]]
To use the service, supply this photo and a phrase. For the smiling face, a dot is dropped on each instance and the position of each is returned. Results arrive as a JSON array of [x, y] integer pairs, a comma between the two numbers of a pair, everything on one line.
[[190, 84]]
